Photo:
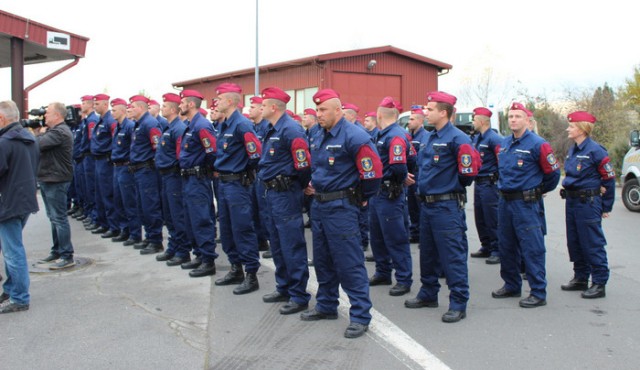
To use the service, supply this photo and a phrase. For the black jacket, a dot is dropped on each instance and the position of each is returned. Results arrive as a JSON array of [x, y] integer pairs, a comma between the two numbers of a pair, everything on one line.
[[56, 149], [19, 155]]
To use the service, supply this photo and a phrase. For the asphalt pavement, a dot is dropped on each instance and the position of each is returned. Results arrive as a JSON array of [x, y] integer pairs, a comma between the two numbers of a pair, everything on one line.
[[118, 309]]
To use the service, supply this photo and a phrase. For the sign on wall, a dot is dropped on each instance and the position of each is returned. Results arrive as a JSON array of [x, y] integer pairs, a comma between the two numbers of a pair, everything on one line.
[[57, 40]]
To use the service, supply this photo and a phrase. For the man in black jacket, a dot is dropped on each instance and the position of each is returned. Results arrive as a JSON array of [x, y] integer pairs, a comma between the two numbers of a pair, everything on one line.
[[18, 165], [54, 175]]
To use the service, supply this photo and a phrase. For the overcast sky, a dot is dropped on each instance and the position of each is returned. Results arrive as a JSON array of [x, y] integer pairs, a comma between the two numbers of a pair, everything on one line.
[[545, 46]]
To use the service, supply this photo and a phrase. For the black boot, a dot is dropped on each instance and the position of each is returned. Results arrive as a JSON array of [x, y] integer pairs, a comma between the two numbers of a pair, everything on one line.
[[250, 284], [234, 276]]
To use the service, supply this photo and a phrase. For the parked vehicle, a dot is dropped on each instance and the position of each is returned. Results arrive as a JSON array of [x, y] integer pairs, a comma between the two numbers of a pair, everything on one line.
[[630, 176]]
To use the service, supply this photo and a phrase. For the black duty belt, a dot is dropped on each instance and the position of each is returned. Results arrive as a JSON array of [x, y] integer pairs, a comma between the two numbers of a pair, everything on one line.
[[138, 166], [227, 177], [334, 195], [531, 195], [279, 183], [491, 178], [168, 170], [99, 157], [195, 171], [120, 163], [442, 197], [565, 193]]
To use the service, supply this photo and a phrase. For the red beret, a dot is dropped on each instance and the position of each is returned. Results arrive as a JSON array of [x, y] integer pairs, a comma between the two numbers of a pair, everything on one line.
[[481, 111], [417, 111], [275, 93], [214, 103], [370, 114], [101, 97], [202, 111], [324, 95], [441, 97], [77, 106], [86, 97], [141, 98], [255, 100], [153, 102], [388, 102], [228, 87], [351, 106], [311, 112], [118, 101], [581, 116], [191, 94], [171, 97], [297, 118], [290, 113]]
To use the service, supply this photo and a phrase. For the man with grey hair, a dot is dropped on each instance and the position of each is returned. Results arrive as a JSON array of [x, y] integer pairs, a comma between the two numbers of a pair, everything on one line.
[[18, 166], [55, 173]]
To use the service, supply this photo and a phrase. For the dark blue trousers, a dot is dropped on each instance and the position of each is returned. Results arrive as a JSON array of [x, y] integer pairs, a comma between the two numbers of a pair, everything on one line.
[[125, 199], [485, 210], [199, 215], [150, 210], [173, 211]]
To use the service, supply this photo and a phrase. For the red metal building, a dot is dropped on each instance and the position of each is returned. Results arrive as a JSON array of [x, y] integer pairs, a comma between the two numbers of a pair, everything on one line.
[[362, 77]]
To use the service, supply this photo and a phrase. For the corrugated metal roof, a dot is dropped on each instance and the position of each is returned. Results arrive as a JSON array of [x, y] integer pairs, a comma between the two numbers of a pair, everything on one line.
[[319, 59]]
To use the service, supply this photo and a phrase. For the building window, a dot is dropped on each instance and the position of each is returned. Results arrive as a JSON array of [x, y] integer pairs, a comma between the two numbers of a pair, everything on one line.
[[300, 99]]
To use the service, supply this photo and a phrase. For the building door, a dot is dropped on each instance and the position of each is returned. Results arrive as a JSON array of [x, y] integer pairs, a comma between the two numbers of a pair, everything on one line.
[[366, 90]]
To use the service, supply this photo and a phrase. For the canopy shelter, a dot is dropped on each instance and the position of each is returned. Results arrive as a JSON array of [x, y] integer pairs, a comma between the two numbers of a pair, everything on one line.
[[24, 42]]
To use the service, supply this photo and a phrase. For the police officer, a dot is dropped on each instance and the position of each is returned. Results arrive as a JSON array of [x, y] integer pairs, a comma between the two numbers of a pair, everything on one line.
[[589, 190], [88, 164], [528, 168], [145, 138], [389, 238], [485, 193], [101, 140], [418, 136], [154, 110], [371, 124], [178, 244], [346, 171], [311, 127], [261, 126], [78, 169], [285, 170], [197, 156], [125, 194], [239, 151], [448, 163]]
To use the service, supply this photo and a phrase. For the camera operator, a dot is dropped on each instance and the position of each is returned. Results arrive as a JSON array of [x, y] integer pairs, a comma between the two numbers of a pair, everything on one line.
[[55, 173]]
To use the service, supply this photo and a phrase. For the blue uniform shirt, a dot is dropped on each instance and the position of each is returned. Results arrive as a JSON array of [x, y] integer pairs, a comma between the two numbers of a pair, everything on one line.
[[393, 149], [162, 122], [145, 138], [238, 145], [77, 140], [344, 157], [526, 163], [103, 134], [285, 151], [121, 144], [488, 145], [374, 133], [166, 153], [197, 144], [588, 167], [88, 125], [261, 129], [447, 162]]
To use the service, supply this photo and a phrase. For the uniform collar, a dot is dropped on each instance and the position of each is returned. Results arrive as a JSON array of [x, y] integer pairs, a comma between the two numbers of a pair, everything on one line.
[[336, 129], [584, 143], [446, 128]]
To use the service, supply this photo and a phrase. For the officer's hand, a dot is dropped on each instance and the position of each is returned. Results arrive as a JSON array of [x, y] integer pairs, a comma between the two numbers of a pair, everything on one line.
[[410, 180], [605, 214], [216, 174], [309, 190], [364, 203], [603, 190]]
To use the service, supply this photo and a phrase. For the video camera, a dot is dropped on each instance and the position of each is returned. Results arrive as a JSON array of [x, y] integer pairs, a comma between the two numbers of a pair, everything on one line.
[[72, 118]]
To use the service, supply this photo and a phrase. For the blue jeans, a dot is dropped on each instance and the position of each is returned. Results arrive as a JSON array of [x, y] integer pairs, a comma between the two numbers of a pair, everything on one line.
[[15, 259], [54, 196]]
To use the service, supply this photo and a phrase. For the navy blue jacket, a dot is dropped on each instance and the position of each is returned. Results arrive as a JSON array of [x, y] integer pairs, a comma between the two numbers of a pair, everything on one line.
[[19, 155]]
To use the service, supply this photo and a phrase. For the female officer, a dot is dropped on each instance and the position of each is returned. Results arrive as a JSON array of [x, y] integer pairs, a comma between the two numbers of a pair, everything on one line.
[[589, 191]]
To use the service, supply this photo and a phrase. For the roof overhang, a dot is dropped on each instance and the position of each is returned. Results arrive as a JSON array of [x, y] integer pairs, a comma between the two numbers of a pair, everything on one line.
[[42, 43]]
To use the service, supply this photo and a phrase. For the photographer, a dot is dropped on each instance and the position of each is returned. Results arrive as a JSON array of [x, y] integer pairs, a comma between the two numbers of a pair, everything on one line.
[[55, 173]]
